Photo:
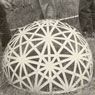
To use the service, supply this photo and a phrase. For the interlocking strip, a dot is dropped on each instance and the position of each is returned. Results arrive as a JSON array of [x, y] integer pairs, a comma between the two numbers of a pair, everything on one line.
[[48, 56]]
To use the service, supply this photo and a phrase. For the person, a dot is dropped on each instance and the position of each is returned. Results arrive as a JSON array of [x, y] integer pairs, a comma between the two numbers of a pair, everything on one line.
[[5, 34], [87, 17]]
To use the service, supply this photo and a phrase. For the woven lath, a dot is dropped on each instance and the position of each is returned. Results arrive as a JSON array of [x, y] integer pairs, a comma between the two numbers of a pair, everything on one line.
[[48, 57]]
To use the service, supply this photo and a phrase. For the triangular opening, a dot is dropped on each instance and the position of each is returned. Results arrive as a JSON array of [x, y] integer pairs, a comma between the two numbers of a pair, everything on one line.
[[33, 29], [63, 58], [64, 51], [39, 78], [86, 75], [67, 34], [15, 78], [60, 24], [56, 70], [45, 28], [29, 35], [11, 72], [79, 48], [52, 58], [32, 79], [57, 46], [23, 47], [18, 71], [71, 67], [23, 86], [85, 62], [78, 84], [17, 84], [26, 82], [60, 36], [89, 70], [73, 45], [52, 74], [40, 47], [51, 50], [34, 25], [41, 32], [47, 74], [85, 81], [23, 73], [55, 31], [46, 58], [33, 65], [72, 38], [57, 81], [68, 46], [44, 80], [36, 36], [43, 71], [84, 52], [46, 51], [35, 59], [56, 88], [50, 27], [23, 39], [45, 88], [60, 40], [17, 50], [65, 63], [56, 60], [12, 54], [62, 29], [17, 42], [69, 77], [62, 77], [77, 70], [11, 60], [33, 53], [29, 47], [28, 69], [78, 40], [82, 68], [58, 65], [36, 42], [42, 61], [14, 65], [75, 79]]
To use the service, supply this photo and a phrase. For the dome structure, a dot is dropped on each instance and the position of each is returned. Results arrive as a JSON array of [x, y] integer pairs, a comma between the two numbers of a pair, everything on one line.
[[48, 56]]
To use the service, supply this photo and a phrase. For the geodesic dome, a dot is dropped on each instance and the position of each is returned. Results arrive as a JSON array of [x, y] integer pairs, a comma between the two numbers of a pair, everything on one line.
[[48, 56]]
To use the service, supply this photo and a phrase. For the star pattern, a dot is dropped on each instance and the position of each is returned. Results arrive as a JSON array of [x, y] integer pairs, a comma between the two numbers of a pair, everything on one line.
[[48, 56]]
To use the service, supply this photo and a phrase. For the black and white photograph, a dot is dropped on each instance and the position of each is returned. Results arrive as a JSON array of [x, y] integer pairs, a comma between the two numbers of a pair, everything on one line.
[[47, 47]]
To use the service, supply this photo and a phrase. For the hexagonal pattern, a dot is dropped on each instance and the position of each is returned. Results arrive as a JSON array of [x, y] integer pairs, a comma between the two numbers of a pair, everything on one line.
[[48, 56]]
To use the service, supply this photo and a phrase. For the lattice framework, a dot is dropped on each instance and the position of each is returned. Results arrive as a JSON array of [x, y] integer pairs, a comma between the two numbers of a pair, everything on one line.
[[48, 56]]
